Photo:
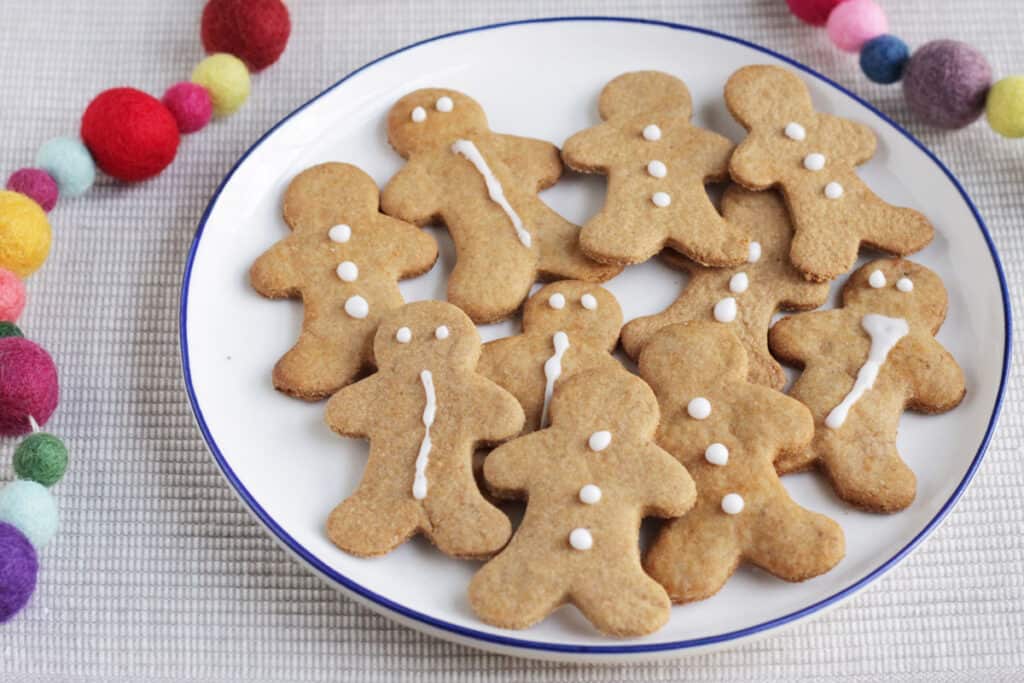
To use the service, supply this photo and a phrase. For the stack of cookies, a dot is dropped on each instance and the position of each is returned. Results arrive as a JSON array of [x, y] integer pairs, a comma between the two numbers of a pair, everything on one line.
[[701, 436]]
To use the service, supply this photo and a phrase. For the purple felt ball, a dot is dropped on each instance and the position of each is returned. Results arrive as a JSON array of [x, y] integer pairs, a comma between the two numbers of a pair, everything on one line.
[[36, 184], [18, 570], [28, 385], [190, 105], [945, 83]]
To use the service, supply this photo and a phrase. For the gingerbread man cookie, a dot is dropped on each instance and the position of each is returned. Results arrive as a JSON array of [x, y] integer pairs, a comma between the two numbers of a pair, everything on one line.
[[343, 259], [864, 364], [589, 478], [747, 296], [657, 164], [726, 432], [423, 411], [812, 157], [568, 327], [483, 186]]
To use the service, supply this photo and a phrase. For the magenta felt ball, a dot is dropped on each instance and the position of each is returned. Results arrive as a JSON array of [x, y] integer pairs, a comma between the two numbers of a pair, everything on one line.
[[813, 12], [190, 105], [12, 296], [945, 83], [18, 570], [36, 184], [28, 385], [855, 22]]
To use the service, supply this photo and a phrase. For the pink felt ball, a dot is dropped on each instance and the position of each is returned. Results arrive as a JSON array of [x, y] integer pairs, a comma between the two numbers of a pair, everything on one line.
[[813, 12], [28, 385], [855, 22], [12, 296], [35, 184], [190, 105]]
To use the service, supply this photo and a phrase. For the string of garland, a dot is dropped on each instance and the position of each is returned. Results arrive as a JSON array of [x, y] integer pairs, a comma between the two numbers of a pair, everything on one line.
[[130, 136], [946, 83]]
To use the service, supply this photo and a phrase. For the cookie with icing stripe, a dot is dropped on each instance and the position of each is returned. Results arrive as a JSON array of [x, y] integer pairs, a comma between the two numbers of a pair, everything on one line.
[[658, 164], [746, 296], [589, 478], [483, 187], [423, 411], [727, 432], [812, 158], [863, 365], [343, 259]]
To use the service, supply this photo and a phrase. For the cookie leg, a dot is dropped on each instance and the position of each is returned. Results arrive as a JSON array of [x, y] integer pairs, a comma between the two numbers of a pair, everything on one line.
[[368, 525], [560, 253], [516, 591], [331, 351], [823, 255], [609, 237], [791, 542], [638, 331], [461, 521], [487, 284], [707, 238], [694, 555], [624, 603], [895, 229], [871, 476]]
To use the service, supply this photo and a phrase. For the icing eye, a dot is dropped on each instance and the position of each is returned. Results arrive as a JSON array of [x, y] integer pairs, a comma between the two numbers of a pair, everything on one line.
[[444, 104], [589, 302], [877, 279], [905, 284], [557, 301], [404, 335], [419, 115], [441, 332], [340, 233]]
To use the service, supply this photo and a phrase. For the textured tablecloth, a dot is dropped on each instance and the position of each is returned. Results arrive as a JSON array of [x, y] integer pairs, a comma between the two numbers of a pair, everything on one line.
[[159, 573]]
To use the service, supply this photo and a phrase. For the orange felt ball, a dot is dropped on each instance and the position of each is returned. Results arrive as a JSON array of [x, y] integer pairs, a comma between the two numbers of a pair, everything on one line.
[[131, 135]]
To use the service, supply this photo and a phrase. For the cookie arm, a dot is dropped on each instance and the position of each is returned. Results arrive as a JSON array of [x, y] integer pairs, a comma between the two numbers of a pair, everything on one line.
[[713, 152], [795, 339], [749, 167], [798, 294], [506, 469], [851, 141], [588, 151], [351, 410], [787, 419], [936, 379], [668, 489], [411, 195], [274, 274], [501, 416], [536, 162], [410, 250]]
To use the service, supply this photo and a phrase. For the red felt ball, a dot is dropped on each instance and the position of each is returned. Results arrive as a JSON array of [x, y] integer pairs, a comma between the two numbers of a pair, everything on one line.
[[255, 31], [131, 135], [813, 12], [28, 385]]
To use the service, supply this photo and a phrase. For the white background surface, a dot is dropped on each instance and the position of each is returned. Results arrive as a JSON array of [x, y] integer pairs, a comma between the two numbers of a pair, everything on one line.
[[159, 572]]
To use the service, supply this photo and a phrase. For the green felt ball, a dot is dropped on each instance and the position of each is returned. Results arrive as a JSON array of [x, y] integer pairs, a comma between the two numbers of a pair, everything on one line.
[[42, 458], [9, 329]]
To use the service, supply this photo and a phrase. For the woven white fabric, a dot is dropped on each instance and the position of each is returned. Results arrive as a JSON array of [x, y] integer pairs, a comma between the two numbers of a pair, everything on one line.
[[159, 573]]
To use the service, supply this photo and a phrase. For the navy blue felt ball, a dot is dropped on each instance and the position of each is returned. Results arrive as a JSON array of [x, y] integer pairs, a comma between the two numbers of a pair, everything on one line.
[[882, 59]]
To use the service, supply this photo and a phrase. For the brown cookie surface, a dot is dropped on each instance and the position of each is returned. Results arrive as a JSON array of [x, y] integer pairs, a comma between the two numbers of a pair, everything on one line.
[[727, 432], [812, 157], [589, 479], [423, 411], [863, 365], [657, 164], [483, 187], [343, 259], [744, 297]]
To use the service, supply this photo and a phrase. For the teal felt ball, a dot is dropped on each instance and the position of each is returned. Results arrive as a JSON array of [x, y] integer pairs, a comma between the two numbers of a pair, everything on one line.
[[41, 458], [28, 506], [69, 163]]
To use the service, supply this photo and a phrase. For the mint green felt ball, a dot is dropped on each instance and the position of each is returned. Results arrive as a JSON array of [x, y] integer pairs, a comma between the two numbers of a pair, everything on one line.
[[69, 163], [28, 506], [42, 458]]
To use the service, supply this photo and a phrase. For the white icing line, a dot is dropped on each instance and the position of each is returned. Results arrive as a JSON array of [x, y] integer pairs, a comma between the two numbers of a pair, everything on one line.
[[552, 371], [419, 484], [885, 333], [468, 150]]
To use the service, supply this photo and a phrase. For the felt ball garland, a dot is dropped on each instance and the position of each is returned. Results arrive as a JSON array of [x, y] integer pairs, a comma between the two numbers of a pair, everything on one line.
[[131, 136], [946, 83]]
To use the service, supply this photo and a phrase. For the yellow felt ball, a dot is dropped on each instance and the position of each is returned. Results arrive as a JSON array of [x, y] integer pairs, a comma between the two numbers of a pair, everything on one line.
[[1005, 107], [24, 234], [226, 79]]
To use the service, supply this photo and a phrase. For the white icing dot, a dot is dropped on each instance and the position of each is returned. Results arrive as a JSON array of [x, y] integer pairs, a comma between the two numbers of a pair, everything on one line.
[[599, 441], [590, 494], [348, 271], [732, 504], [657, 169], [699, 408], [357, 307], [876, 279], [444, 104], [589, 302], [419, 115], [905, 284], [404, 335], [739, 283], [725, 310], [557, 301], [652, 133], [580, 539], [814, 161], [833, 190], [794, 131], [340, 233], [661, 199], [754, 252], [717, 454], [441, 332]]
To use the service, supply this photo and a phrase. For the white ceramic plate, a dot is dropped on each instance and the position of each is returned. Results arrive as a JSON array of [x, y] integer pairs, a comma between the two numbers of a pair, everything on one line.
[[541, 79]]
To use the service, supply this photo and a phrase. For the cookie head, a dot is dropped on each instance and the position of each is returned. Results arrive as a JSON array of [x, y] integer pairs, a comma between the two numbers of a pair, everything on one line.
[[431, 118], [427, 334], [898, 288], [694, 354], [597, 401], [587, 313], [769, 97], [327, 195], [644, 92]]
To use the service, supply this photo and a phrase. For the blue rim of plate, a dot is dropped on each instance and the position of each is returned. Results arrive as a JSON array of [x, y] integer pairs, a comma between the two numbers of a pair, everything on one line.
[[520, 643]]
